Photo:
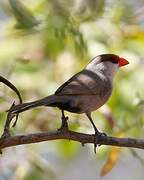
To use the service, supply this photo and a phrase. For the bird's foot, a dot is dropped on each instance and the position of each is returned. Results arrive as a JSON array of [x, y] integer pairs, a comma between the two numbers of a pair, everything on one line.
[[97, 137], [64, 125]]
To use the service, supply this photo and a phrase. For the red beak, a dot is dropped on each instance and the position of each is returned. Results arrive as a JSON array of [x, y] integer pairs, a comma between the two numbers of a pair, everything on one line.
[[122, 62]]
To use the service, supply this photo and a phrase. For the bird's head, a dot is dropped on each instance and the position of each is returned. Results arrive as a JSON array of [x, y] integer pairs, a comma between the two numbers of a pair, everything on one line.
[[107, 63]]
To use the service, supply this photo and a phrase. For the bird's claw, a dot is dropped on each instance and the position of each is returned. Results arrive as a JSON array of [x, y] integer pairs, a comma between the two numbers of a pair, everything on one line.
[[64, 125], [97, 137], [65, 118]]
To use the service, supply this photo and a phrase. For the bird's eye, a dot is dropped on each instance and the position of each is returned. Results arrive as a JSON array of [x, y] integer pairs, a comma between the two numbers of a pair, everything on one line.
[[114, 62]]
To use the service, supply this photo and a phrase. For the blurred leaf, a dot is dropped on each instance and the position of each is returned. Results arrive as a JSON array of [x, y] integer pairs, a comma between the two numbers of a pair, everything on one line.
[[112, 158], [90, 10], [66, 148], [23, 16], [111, 161], [29, 67]]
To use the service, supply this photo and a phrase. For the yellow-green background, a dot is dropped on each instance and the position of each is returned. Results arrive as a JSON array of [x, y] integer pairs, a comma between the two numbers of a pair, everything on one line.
[[42, 44]]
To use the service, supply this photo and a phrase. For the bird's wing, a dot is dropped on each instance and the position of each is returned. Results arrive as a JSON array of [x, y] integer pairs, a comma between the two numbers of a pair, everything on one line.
[[84, 82]]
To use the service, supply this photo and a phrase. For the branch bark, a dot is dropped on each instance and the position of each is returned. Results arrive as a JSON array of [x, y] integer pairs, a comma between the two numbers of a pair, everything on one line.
[[71, 135]]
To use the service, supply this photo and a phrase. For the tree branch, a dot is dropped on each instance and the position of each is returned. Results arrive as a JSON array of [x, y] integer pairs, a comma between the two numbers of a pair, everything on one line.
[[71, 135]]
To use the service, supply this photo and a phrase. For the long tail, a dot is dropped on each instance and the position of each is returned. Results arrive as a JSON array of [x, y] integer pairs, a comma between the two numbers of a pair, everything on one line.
[[47, 101]]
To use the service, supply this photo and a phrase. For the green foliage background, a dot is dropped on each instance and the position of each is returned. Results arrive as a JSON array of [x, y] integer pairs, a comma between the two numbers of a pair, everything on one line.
[[43, 43]]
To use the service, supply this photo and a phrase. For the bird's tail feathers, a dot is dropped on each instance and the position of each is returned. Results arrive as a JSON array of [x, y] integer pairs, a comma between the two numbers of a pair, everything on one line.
[[47, 101]]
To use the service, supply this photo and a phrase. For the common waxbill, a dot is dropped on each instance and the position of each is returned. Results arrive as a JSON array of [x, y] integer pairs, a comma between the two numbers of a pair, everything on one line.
[[84, 92]]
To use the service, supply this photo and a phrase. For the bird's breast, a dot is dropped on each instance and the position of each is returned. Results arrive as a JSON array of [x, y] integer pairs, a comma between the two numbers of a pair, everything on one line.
[[91, 103]]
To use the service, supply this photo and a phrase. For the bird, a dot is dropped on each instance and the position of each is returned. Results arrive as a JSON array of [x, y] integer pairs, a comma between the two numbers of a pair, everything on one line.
[[84, 92]]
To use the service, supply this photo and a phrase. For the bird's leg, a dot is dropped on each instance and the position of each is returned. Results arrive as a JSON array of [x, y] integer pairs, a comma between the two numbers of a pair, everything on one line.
[[97, 133], [64, 124]]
